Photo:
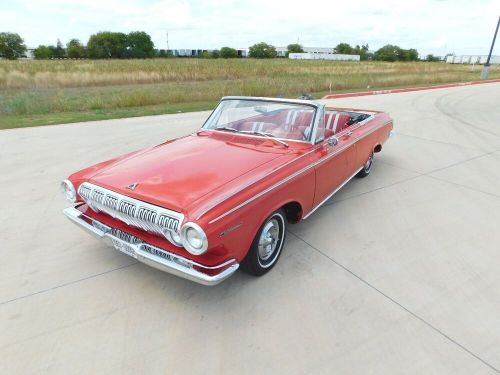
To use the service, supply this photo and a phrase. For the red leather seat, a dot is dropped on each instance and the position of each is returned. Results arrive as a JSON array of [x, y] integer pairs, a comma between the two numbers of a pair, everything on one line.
[[342, 122], [329, 123], [257, 126], [303, 119]]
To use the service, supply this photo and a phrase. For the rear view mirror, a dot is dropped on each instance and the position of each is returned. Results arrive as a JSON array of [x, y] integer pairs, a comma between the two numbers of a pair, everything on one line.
[[333, 141]]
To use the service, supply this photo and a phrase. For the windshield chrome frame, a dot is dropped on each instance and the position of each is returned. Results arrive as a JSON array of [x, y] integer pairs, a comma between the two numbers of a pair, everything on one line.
[[318, 109]]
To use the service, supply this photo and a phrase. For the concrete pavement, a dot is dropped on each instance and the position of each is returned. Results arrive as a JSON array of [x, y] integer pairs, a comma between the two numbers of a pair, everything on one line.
[[397, 273]]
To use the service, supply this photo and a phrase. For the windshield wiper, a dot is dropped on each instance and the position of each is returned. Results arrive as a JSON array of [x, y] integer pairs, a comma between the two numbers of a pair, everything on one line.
[[269, 135], [227, 128]]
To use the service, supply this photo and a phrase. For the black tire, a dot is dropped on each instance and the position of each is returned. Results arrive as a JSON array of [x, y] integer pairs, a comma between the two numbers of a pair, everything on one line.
[[262, 257], [366, 168]]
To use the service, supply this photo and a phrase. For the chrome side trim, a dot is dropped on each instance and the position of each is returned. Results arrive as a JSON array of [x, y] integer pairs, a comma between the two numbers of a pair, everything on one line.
[[152, 255], [263, 177], [326, 158], [331, 195], [247, 185], [219, 201], [131, 211], [262, 193]]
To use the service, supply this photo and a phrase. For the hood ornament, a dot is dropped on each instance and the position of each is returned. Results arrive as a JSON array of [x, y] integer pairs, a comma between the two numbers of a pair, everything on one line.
[[132, 186]]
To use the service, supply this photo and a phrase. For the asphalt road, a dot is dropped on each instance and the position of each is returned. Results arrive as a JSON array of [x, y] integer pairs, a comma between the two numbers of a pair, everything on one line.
[[397, 274]]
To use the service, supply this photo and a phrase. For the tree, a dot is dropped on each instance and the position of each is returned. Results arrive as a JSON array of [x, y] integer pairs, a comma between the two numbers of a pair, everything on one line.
[[294, 48], [75, 49], [432, 58], [262, 51], [216, 54], [43, 53], [59, 51], [139, 45], [362, 52], [228, 53], [205, 55], [412, 54], [388, 53], [11, 46], [344, 48], [106, 45]]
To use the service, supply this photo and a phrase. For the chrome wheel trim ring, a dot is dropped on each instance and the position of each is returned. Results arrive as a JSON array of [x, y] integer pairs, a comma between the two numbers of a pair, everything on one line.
[[271, 240]]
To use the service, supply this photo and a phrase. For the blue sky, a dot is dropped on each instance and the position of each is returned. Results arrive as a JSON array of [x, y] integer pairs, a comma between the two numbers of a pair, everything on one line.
[[431, 26]]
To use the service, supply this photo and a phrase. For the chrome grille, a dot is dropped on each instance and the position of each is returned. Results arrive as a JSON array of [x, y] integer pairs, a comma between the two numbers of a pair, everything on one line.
[[125, 236], [129, 210]]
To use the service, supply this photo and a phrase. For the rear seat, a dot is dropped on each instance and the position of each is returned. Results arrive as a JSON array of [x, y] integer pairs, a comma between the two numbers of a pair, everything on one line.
[[335, 122], [342, 122]]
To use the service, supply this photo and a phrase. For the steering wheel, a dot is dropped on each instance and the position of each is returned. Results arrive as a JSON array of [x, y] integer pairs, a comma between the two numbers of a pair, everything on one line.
[[302, 132]]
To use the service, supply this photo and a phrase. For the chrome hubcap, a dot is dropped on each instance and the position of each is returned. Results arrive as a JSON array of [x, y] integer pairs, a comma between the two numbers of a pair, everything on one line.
[[369, 163], [269, 239]]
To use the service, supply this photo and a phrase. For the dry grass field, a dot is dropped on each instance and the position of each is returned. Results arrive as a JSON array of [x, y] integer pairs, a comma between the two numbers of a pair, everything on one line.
[[46, 92]]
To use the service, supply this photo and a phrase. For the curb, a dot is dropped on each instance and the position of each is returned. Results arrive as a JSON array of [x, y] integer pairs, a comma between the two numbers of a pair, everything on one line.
[[407, 89]]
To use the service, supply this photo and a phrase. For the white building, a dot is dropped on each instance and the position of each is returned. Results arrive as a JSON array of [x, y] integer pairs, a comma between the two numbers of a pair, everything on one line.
[[281, 51], [312, 50], [472, 59], [323, 56]]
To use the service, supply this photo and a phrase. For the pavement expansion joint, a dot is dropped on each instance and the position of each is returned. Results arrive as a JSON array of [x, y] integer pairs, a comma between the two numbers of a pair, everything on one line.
[[400, 305]]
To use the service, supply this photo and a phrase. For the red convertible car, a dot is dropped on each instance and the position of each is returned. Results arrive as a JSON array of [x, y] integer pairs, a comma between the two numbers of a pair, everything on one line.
[[202, 205]]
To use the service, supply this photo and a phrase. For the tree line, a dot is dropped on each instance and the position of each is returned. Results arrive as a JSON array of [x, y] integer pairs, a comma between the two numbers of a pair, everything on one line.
[[138, 44], [103, 45]]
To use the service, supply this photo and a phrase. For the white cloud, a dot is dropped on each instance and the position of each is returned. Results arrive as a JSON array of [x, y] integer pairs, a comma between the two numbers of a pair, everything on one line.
[[431, 26]]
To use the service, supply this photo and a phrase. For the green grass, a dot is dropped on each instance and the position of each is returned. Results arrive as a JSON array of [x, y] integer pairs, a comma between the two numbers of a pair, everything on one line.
[[36, 93], [25, 121]]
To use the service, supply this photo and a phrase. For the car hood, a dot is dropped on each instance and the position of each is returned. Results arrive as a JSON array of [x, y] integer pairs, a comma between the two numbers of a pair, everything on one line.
[[177, 173]]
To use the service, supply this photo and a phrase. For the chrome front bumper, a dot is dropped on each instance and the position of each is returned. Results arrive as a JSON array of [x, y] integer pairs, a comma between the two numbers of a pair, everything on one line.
[[151, 255]]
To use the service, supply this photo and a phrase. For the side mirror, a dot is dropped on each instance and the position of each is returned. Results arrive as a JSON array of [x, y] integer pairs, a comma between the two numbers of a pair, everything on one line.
[[333, 141]]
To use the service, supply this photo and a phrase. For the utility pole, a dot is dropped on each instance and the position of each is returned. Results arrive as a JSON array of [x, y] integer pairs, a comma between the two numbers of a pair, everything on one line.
[[486, 68], [168, 47]]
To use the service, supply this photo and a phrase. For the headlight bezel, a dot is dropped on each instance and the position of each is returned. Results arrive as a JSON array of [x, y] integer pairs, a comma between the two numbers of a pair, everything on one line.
[[202, 237], [68, 187]]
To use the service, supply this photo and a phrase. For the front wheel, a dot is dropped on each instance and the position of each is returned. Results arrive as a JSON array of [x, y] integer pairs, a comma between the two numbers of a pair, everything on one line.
[[267, 245], [365, 171]]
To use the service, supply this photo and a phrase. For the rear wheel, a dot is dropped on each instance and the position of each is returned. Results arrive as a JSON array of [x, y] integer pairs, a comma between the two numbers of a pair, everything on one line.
[[267, 245], [366, 168]]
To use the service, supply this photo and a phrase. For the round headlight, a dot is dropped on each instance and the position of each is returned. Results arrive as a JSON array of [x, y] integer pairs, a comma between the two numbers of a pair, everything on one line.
[[194, 239], [68, 191], [173, 237]]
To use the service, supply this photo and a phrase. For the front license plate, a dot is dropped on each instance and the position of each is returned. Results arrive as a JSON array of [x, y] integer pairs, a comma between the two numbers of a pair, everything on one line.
[[124, 248]]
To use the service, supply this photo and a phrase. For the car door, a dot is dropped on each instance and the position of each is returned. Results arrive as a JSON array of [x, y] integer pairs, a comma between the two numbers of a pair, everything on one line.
[[335, 162]]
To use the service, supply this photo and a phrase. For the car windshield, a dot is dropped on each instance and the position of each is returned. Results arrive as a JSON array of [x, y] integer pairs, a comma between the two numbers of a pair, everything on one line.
[[265, 118]]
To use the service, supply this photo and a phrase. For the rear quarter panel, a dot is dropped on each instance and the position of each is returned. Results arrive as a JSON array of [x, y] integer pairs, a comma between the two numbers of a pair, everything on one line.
[[371, 134]]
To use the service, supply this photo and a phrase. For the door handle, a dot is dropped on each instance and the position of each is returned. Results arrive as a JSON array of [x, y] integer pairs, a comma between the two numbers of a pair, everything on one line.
[[348, 134], [333, 141]]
